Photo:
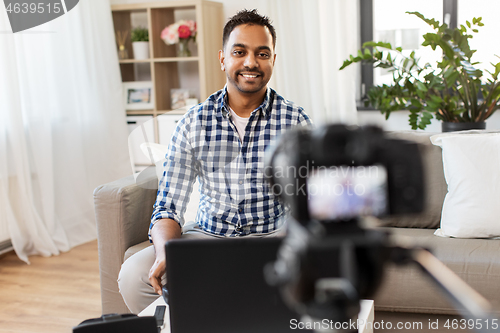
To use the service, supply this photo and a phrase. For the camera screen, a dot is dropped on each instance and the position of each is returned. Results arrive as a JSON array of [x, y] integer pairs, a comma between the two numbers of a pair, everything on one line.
[[341, 192]]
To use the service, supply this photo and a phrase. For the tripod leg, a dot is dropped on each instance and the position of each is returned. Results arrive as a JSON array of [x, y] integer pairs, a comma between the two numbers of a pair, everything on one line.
[[465, 299]]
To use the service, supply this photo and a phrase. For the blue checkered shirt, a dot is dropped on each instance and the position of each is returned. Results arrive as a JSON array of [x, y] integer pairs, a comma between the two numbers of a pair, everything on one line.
[[234, 198]]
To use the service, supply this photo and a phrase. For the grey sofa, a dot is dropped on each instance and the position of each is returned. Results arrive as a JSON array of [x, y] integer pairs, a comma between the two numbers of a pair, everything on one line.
[[123, 210]]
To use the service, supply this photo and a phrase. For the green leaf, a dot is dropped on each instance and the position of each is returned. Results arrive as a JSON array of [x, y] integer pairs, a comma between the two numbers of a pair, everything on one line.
[[421, 86], [468, 23], [345, 64], [405, 62], [377, 44], [139, 34], [436, 99], [416, 103]]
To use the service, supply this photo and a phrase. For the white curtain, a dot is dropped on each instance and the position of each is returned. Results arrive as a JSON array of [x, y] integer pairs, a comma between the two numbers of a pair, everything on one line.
[[314, 37], [62, 127]]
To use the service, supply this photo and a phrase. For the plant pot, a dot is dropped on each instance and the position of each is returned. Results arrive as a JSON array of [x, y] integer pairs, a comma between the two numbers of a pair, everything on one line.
[[141, 50], [452, 127]]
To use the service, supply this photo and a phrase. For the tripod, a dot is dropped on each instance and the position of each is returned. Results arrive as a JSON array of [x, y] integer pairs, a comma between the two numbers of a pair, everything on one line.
[[323, 274]]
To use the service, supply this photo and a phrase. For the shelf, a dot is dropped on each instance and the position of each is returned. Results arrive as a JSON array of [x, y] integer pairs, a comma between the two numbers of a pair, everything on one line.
[[200, 74], [176, 59], [134, 61], [140, 112], [160, 112]]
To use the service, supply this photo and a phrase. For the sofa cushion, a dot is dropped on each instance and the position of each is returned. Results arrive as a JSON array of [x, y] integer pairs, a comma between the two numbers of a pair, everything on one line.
[[136, 248], [435, 185], [471, 161], [157, 153], [407, 289]]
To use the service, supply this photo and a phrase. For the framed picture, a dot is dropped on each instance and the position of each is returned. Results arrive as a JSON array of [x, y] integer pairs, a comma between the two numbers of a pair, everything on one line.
[[138, 95], [179, 98]]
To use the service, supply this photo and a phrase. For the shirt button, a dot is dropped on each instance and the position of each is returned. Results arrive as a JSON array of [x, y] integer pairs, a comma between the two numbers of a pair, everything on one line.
[[240, 210], [241, 182]]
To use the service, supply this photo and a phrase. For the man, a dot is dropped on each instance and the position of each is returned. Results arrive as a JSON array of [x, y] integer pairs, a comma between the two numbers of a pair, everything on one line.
[[222, 142]]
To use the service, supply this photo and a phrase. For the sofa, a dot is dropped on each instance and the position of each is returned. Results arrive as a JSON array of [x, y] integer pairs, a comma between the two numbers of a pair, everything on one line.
[[123, 210]]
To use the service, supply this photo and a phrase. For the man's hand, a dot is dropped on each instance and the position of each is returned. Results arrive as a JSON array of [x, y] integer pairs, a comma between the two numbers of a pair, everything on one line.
[[163, 231], [156, 273]]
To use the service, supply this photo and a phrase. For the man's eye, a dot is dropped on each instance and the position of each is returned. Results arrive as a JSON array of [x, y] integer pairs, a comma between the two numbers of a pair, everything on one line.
[[236, 52], [264, 55]]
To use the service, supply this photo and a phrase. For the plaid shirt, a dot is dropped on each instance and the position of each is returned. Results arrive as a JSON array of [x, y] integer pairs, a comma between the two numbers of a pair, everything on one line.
[[234, 199]]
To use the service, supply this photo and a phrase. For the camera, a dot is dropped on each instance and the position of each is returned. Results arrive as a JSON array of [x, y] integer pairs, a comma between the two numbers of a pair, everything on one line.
[[330, 179], [372, 174]]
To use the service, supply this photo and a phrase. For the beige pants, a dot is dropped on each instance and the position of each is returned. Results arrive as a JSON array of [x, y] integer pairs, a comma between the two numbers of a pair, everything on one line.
[[133, 280]]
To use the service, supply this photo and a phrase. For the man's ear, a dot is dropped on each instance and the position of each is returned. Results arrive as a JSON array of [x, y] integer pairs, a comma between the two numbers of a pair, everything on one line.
[[221, 60], [274, 59]]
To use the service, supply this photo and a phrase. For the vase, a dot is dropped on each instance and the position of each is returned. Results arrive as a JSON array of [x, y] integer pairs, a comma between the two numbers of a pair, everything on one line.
[[141, 50], [452, 127], [122, 53], [184, 48]]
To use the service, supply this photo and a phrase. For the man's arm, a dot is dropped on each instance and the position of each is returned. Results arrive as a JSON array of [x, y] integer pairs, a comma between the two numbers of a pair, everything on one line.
[[163, 231], [174, 190]]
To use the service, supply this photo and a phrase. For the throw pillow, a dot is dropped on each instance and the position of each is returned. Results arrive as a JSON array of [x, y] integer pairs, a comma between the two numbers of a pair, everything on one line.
[[471, 161]]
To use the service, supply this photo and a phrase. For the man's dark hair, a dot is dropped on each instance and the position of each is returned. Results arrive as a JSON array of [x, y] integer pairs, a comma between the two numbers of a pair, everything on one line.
[[247, 17]]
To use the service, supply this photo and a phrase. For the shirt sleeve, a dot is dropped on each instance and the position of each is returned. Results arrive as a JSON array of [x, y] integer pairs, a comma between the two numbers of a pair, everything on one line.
[[303, 118], [176, 184]]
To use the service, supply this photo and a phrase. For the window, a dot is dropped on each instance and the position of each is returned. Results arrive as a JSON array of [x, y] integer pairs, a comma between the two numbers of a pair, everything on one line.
[[486, 42], [386, 20]]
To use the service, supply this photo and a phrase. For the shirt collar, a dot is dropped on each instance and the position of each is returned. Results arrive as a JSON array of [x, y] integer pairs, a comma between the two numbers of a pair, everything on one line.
[[265, 106]]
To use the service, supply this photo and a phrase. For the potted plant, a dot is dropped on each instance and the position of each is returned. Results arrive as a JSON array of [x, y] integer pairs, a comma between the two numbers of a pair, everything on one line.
[[140, 43], [452, 90]]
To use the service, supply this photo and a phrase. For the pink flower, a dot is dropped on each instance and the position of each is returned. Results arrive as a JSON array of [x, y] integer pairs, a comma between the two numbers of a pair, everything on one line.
[[164, 33], [169, 36], [184, 31], [192, 26]]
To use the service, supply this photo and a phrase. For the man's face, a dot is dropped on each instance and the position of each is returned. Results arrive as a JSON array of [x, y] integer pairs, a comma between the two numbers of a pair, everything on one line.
[[248, 58]]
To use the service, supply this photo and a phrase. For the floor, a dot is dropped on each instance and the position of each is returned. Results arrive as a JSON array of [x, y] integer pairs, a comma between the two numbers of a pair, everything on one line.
[[52, 294]]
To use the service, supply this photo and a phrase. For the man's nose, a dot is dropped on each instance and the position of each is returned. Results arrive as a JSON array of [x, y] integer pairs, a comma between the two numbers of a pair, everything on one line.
[[250, 61]]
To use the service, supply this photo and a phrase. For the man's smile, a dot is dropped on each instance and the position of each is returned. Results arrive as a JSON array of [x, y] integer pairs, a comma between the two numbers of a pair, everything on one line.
[[249, 76]]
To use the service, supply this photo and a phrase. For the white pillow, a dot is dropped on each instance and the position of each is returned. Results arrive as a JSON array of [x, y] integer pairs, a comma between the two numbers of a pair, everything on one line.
[[471, 161], [157, 152]]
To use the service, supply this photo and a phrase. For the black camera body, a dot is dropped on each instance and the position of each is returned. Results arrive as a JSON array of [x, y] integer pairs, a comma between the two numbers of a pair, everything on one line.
[[328, 261], [301, 151]]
